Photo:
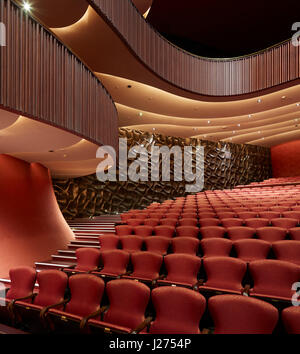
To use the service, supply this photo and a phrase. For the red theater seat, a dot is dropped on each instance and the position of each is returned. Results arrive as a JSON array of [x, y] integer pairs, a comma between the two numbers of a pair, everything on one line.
[[252, 249], [124, 230], [285, 223], [131, 243], [257, 222], [188, 222], [146, 266], [269, 214], [291, 319], [135, 222], [52, 287], [114, 263], [157, 244], [128, 300], [287, 251], [206, 215], [223, 274], [212, 231], [230, 222], [164, 230], [143, 231], [237, 314], [108, 242], [87, 260], [188, 245], [209, 222], [247, 215], [151, 222], [86, 292], [187, 231], [168, 222], [178, 311], [215, 247], [240, 232], [271, 234], [273, 279], [182, 270], [188, 215], [295, 233], [292, 215], [226, 215]]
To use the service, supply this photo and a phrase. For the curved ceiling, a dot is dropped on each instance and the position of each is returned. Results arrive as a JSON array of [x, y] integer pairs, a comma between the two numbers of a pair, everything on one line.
[[224, 28], [144, 101], [65, 154]]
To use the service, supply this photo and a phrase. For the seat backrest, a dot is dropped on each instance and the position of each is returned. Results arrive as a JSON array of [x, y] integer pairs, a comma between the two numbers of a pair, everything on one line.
[[291, 319], [240, 232], [188, 222], [252, 249], [108, 242], [188, 245], [135, 222], [123, 230], [164, 230], [178, 310], [157, 244], [295, 233], [131, 243], [22, 282], [230, 311], [168, 221], [271, 234], [287, 250], [257, 222], [292, 215], [115, 261], [209, 222], [86, 294], [146, 264], [128, 300], [212, 247], [229, 222], [285, 223], [52, 287], [151, 222], [182, 267], [207, 215], [226, 215], [224, 272], [212, 231], [187, 231], [269, 214], [274, 278], [143, 231], [87, 259]]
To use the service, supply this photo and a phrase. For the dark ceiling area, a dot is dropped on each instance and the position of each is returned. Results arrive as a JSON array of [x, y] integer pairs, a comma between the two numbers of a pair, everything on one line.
[[224, 28]]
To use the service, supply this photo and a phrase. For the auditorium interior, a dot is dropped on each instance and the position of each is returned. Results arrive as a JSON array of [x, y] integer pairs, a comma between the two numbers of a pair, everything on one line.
[[98, 235]]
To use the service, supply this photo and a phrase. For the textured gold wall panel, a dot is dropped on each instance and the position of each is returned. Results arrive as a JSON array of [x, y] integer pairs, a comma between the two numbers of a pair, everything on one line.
[[86, 196]]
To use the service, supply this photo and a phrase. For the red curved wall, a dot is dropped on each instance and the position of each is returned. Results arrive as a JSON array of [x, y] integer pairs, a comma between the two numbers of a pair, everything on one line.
[[31, 224], [286, 159]]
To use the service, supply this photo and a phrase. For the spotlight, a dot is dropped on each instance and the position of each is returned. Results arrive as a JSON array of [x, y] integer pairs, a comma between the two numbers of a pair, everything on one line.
[[26, 6]]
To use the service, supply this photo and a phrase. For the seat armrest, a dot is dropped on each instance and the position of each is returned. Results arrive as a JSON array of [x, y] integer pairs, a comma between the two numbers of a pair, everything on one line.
[[44, 311], [142, 326], [154, 281], [84, 321], [246, 290], [198, 284], [12, 303]]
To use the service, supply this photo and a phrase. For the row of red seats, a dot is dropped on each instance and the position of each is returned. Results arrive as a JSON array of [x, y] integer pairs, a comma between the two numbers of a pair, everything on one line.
[[266, 233], [246, 249], [175, 310], [271, 278]]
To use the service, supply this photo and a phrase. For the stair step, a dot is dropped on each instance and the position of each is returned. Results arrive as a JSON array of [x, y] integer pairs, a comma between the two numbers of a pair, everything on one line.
[[66, 252], [58, 257], [87, 238], [74, 247], [53, 265], [89, 243]]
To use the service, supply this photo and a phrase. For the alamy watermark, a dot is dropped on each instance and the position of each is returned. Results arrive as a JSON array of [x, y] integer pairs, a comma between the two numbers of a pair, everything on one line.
[[188, 164], [296, 36], [2, 35]]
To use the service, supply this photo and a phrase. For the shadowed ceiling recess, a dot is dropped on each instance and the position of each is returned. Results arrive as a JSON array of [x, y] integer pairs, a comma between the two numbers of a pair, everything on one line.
[[214, 77]]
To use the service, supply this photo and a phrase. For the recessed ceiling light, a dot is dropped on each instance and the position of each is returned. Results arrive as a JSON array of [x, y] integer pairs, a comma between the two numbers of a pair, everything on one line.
[[259, 100], [259, 132], [153, 128], [233, 132], [297, 104], [208, 122], [283, 97], [239, 125], [26, 6], [250, 115], [141, 114]]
